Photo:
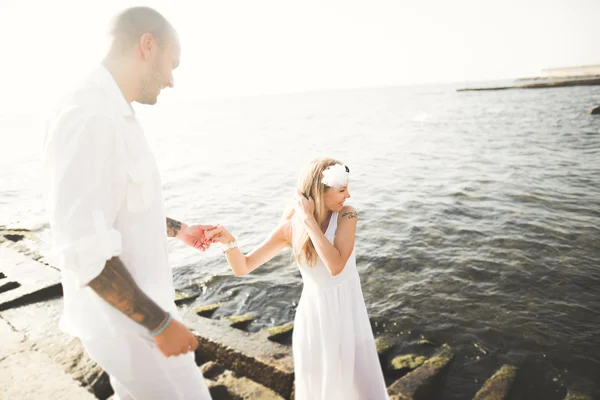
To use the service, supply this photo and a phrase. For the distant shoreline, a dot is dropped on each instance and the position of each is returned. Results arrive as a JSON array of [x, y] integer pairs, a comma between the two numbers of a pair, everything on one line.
[[550, 78], [552, 83]]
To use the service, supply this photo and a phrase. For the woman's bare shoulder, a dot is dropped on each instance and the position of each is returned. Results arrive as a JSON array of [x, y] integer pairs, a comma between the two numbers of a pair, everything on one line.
[[348, 212]]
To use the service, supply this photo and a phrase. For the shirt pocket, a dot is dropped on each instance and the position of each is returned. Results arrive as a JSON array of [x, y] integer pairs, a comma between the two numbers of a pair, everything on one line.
[[141, 192]]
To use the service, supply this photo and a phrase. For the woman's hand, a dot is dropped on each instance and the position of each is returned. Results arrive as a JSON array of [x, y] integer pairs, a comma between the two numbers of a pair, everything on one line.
[[195, 236], [303, 206], [219, 234]]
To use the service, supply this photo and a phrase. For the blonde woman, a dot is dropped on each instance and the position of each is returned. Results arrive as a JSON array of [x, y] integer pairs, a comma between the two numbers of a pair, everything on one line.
[[333, 344]]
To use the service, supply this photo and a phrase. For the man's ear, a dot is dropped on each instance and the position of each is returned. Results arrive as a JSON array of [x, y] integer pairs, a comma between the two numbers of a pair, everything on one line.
[[147, 45]]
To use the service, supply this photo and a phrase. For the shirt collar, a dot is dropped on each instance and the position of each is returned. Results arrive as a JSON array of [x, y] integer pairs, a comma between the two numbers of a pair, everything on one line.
[[105, 80]]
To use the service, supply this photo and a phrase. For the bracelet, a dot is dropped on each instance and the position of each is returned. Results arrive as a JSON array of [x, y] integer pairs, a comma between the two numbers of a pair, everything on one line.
[[163, 327], [229, 246]]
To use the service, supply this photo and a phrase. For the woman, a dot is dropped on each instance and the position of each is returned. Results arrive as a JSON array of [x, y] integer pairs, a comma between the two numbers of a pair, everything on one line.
[[333, 344]]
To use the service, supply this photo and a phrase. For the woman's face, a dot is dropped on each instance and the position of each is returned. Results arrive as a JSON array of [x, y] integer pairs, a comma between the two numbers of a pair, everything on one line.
[[335, 198]]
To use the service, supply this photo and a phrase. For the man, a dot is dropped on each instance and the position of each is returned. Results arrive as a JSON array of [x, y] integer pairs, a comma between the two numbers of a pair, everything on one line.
[[108, 222]]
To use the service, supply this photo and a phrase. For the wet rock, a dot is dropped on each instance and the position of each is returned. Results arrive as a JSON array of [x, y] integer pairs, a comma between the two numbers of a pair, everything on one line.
[[280, 333], [27, 373], [39, 323], [244, 388], [384, 344], [31, 281], [211, 370], [595, 110], [423, 381], [9, 286], [15, 235], [218, 391], [240, 321], [498, 386], [408, 361], [5, 229], [248, 355], [182, 298], [425, 342], [26, 246], [207, 310], [481, 348], [280, 329], [14, 238], [577, 396]]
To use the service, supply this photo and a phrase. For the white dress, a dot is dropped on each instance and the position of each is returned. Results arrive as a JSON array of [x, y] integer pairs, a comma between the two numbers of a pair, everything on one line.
[[333, 344]]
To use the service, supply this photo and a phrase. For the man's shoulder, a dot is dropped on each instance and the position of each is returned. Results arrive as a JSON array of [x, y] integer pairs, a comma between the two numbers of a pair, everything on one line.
[[86, 98], [84, 110], [89, 99], [85, 105]]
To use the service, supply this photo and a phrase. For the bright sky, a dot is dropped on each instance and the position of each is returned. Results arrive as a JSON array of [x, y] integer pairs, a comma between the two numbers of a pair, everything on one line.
[[233, 48]]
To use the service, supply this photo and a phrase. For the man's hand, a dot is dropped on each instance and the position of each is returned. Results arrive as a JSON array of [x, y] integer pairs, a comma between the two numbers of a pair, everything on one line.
[[116, 285], [194, 235], [176, 339]]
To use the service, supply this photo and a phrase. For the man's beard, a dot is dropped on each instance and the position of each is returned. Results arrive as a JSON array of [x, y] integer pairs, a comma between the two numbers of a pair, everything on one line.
[[150, 88]]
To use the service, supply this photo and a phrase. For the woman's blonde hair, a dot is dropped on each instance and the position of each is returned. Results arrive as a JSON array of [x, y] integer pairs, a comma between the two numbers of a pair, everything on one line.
[[311, 185]]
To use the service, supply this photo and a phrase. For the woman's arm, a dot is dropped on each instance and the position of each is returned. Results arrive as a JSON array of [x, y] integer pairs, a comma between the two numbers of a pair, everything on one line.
[[242, 264], [336, 255]]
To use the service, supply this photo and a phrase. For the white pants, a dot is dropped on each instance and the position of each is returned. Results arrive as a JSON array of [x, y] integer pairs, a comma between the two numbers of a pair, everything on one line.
[[139, 371]]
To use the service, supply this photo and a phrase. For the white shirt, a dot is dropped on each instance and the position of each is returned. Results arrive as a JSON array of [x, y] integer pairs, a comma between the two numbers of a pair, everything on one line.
[[104, 198]]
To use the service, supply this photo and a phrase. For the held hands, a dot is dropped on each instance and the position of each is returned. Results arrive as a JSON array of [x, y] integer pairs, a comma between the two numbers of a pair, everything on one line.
[[305, 207], [195, 236], [176, 339], [219, 234]]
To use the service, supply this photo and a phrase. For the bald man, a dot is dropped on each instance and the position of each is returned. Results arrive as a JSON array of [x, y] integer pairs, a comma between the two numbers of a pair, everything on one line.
[[109, 228]]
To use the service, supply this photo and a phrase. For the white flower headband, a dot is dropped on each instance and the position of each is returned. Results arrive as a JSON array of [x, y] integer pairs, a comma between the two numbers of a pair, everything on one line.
[[336, 176]]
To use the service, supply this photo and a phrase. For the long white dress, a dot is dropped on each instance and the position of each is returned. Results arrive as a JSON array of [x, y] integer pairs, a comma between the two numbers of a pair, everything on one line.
[[333, 344]]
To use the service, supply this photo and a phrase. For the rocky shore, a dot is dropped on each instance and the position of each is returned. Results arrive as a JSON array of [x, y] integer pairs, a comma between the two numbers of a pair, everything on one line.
[[38, 361]]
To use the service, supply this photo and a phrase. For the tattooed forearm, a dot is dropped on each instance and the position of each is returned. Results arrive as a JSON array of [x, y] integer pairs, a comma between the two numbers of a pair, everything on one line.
[[350, 215], [116, 285], [173, 227]]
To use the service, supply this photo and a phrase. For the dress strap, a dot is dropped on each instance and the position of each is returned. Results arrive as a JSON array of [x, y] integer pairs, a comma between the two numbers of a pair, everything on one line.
[[332, 227]]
